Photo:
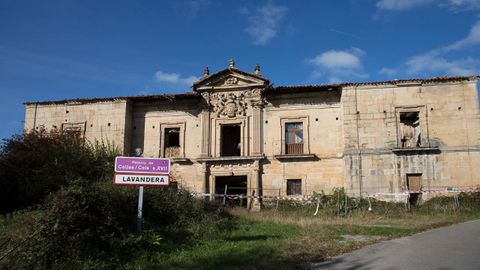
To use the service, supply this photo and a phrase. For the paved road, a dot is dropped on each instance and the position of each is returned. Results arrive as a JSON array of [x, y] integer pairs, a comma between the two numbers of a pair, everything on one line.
[[448, 248]]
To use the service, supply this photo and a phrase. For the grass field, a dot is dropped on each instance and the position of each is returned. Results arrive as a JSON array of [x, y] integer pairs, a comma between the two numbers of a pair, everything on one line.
[[290, 238], [293, 239]]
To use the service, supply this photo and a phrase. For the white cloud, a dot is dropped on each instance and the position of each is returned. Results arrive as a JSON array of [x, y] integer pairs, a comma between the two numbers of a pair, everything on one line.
[[389, 72], [472, 39], [401, 4], [334, 59], [454, 5], [437, 62], [190, 8], [174, 78], [264, 22], [433, 63], [338, 65]]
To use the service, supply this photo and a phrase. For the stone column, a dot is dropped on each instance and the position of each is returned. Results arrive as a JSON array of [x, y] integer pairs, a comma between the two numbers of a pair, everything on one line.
[[211, 180], [206, 179], [255, 203], [257, 118], [205, 146]]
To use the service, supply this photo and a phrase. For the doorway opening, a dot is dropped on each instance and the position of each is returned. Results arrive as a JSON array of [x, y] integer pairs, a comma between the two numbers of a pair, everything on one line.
[[235, 185], [230, 141], [414, 186]]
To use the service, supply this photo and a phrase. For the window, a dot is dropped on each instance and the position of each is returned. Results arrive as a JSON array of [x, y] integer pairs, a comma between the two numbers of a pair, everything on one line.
[[172, 142], [410, 134], [75, 130], [294, 187], [294, 138], [230, 141]]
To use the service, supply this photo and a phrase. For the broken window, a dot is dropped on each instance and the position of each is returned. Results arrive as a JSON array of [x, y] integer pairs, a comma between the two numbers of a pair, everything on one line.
[[172, 142], [294, 187], [74, 130], [230, 141], [410, 134], [294, 138]]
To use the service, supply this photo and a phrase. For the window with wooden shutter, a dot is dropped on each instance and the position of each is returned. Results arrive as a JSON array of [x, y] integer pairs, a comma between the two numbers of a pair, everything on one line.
[[294, 187], [294, 138]]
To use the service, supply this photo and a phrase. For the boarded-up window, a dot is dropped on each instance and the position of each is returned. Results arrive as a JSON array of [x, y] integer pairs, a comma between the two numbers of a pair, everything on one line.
[[294, 138], [75, 130], [414, 181], [294, 187]]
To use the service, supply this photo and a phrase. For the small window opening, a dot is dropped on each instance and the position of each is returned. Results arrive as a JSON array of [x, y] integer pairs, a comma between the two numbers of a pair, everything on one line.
[[230, 140], [294, 187], [294, 138], [410, 129], [74, 132], [172, 142]]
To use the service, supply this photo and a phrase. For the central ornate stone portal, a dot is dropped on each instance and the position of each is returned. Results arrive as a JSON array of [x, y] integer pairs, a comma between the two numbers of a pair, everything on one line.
[[232, 130]]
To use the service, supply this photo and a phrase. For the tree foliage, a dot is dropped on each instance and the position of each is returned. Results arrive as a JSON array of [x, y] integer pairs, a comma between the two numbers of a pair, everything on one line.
[[37, 163]]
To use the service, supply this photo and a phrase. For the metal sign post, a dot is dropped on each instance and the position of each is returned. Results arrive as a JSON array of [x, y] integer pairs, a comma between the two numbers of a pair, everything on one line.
[[139, 212], [139, 171]]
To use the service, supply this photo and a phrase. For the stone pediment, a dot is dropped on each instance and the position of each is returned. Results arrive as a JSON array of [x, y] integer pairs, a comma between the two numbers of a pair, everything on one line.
[[228, 79]]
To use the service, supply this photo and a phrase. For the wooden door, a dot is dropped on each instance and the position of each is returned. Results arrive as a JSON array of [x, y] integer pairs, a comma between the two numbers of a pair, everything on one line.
[[414, 182]]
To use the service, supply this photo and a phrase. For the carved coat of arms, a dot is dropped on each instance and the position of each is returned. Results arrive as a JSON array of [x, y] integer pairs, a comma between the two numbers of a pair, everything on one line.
[[229, 104]]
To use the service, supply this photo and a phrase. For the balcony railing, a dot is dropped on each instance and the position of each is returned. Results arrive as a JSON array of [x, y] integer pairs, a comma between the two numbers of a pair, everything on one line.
[[294, 148]]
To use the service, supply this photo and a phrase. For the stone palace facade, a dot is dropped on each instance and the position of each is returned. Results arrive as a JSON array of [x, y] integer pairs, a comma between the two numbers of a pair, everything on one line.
[[236, 129]]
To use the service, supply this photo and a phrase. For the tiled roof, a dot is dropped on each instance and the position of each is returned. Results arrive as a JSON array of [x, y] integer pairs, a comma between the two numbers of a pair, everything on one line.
[[107, 99], [277, 89], [391, 82]]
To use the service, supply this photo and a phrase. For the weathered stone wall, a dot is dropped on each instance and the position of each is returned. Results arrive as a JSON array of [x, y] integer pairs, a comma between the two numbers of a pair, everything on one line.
[[149, 122], [321, 113], [450, 138], [352, 137], [105, 121]]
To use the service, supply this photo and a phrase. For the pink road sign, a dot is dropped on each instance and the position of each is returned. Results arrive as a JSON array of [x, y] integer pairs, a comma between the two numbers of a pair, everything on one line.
[[142, 165]]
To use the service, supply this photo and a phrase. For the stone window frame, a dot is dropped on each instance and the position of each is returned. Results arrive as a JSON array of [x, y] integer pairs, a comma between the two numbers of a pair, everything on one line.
[[166, 125], [423, 117], [217, 133], [306, 140], [77, 126], [301, 186]]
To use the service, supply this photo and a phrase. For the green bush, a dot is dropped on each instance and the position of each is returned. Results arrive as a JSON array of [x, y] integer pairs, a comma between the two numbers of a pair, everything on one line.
[[37, 163], [178, 213], [83, 219], [88, 222]]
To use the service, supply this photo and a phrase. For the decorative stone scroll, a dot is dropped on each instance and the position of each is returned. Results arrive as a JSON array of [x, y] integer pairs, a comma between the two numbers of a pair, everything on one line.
[[231, 81], [254, 93]]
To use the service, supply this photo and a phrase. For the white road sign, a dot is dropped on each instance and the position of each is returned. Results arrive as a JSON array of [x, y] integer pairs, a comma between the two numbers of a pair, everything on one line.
[[141, 179]]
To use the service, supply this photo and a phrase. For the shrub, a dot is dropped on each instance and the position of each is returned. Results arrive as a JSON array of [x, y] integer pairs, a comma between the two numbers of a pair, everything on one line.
[[37, 163], [89, 222], [178, 213]]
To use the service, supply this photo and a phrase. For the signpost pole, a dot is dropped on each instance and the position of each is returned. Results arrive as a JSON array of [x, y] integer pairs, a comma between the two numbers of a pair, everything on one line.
[[140, 209], [140, 171]]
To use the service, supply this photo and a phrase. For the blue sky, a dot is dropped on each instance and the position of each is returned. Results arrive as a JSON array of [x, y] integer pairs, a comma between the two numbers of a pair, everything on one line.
[[70, 49]]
